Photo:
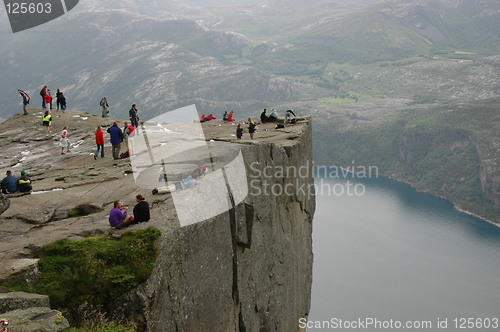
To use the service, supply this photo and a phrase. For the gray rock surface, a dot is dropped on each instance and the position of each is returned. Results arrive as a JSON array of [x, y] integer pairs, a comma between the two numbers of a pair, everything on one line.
[[247, 267], [36, 319], [4, 203], [20, 300]]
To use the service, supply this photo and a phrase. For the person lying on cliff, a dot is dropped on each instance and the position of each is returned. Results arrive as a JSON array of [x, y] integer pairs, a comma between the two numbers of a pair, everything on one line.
[[141, 210], [118, 216], [24, 183], [9, 184], [3, 325], [186, 183]]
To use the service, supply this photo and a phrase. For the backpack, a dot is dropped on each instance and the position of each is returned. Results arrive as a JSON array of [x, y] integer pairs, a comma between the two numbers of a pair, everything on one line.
[[279, 125], [125, 154], [42, 92]]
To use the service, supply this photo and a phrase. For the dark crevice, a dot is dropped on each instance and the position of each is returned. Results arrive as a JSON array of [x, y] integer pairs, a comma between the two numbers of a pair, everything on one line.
[[234, 243], [249, 216], [241, 323]]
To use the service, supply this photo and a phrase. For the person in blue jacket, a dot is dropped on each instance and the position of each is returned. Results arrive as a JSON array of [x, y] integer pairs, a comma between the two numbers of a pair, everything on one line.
[[116, 138], [9, 184]]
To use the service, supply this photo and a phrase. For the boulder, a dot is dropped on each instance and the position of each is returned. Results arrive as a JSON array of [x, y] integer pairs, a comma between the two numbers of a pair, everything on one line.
[[36, 319], [20, 300]]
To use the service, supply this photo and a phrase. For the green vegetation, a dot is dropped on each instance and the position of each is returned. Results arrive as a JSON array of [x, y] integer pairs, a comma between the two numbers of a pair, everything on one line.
[[434, 149], [93, 271]]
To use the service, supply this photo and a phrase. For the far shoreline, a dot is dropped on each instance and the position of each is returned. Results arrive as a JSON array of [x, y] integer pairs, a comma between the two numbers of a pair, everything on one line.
[[455, 205]]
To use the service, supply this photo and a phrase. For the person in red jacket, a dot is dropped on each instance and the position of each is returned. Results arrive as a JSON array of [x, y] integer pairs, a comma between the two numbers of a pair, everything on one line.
[[48, 100], [230, 117], [99, 141]]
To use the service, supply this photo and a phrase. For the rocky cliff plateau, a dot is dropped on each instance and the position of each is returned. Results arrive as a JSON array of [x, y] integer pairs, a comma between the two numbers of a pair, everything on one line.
[[248, 268]]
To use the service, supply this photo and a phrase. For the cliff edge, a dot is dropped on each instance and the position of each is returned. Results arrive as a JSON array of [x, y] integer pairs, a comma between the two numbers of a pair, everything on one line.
[[247, 267]]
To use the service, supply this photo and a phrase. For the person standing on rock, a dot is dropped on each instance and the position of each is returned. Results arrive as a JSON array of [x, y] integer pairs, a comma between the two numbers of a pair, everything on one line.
[[105, 107], [9, 184], [116, 135], [99, 141], [24, 183], [47, 120], [26, 100], [118, 216], [48, 100], [64, 142], [58, 94], [239, 131], [61, 101], [43, 92], [134, 117], [141, 210], [251, 128]]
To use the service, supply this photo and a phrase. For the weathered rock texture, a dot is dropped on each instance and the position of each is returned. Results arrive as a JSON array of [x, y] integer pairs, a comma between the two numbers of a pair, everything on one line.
[[246, 269]]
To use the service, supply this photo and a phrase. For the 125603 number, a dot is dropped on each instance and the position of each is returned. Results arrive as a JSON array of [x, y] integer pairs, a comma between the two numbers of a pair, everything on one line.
[[476, 323], [29, 8]]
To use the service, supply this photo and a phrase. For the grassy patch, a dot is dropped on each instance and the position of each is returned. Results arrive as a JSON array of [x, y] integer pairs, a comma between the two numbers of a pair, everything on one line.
[[95, 270]]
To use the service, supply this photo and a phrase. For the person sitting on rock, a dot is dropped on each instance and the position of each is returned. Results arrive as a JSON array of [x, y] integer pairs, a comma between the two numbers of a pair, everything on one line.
[[141, 210], [9, 184], [211, 117], [263, 116], [118, 216], [273, 117], [288, 116], [230, 117], [24, 183], [224, 116], [186, 183]]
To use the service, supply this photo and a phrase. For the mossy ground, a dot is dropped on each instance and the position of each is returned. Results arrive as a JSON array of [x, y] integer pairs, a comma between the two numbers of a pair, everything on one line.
[[94, 271]]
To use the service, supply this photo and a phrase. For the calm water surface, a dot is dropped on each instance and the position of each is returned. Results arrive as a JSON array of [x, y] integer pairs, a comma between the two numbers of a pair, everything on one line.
[[393, 253]]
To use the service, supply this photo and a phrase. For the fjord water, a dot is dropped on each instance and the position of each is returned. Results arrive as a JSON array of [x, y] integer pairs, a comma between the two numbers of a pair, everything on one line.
[[394, 253]]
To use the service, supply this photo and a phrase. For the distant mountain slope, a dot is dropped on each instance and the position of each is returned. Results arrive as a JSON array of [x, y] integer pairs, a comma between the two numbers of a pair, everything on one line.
[[390, 31], [156, 63]]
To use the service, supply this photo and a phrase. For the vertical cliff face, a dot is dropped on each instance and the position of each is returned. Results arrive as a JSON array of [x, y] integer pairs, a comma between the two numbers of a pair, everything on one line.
[[249, 268]]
